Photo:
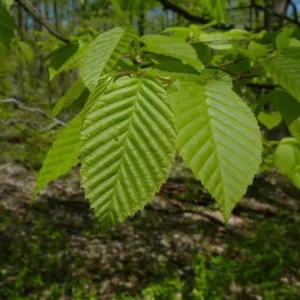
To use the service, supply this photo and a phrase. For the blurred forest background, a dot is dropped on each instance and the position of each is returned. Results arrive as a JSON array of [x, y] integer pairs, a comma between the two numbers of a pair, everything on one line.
[[179, 247]]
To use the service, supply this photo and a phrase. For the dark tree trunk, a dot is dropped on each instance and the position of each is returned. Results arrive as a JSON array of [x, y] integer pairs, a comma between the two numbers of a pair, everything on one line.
[[273, 7], [56, 15], [141, 19]]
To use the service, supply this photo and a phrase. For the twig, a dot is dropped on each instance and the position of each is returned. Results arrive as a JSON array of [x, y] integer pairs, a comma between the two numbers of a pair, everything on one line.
[[31, 109], [168, 5], [137, 73], [262, 8], [294, 20], [21, 106], [295, 11], [25, 4]]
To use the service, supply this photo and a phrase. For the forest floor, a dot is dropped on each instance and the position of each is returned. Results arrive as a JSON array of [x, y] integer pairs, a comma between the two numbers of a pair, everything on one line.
[[177, 248]]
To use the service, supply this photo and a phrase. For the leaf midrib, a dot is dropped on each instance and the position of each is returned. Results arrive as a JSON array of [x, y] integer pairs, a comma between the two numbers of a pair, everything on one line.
[[126, 139]]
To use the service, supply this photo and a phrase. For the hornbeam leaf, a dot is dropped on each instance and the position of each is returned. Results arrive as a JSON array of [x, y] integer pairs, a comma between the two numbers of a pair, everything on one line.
[[218, 138], [128, 144], [104, 53], [173, 47], [288, 107], [285, 69], [217, 9], [73, 93], [65, 150], [62, 156], [66, 57], [287, 159]]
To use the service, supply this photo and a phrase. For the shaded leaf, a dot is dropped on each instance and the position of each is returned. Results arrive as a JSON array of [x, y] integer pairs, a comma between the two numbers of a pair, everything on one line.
[[173, 47], [62, 156], [287, 159], [7, 26], [285, 69], [73, 93]]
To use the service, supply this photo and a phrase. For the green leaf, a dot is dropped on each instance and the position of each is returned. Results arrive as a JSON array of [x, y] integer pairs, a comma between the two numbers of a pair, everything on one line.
[[72, 94], [62, 156], [257, 50], [217, 9], [204, 53], [104, 53], [26, 51], [8, 3], [270, 120], [223, 40], [127, 147], [218, 75], [124, 7], [166, 66], [66, 57], [288, 107], [285, 39], [287, 159], [285, 69], [7, 26], [173, 47], [219, 139]]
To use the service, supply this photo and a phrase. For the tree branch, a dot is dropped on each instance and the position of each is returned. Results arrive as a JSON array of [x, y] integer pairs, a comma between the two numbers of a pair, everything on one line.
[[167, 5], [21, 106], [25, 4], [295, 11], [262, 8]]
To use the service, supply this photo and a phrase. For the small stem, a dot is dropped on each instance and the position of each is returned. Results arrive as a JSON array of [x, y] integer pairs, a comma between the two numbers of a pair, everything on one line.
[[137, 73]]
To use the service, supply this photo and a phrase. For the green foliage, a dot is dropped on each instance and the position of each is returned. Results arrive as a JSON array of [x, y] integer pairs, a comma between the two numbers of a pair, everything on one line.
[[25, 51], [270, 120], [288, 159], [7, 26], [197, 73], [172, 47], [104, 53], [289, 108], [66, 57], [168, 289], [8, 3], [285, 69], [73, 93], [127, 147], [217, 9], [62, 156], [218, 138], [125, 7], [128, 134]]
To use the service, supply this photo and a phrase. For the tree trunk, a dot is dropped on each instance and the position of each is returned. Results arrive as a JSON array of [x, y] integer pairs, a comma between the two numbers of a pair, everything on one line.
[[141, 19], [56, 15], [275, 7]]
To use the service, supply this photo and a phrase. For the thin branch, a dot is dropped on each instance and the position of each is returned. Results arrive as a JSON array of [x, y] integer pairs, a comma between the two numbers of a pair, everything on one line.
[[25, 4], [15, 122], [262, 8], [295, 11], [168, 5], [258, 7], [137, 73], [21, 106]]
